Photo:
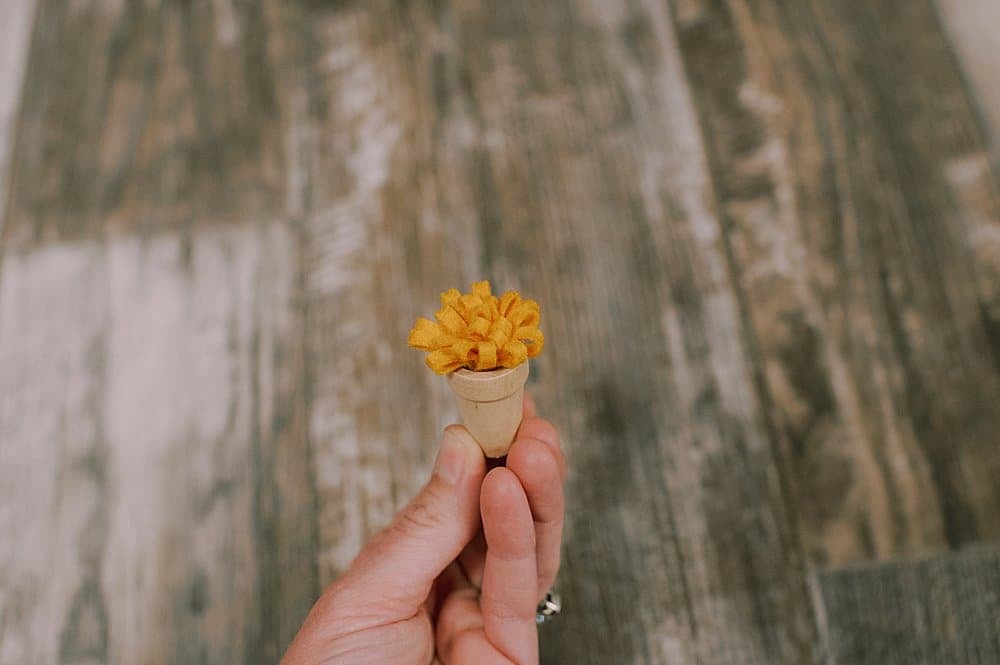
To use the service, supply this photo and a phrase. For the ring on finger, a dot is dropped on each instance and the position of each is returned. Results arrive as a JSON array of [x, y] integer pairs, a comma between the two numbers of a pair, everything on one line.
[[550, 606]]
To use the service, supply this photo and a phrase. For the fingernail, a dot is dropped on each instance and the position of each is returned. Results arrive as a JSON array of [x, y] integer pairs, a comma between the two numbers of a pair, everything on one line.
[[451, 457]]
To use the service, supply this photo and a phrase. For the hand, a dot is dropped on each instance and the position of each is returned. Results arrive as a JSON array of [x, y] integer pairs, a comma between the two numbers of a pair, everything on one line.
[[457, 576]]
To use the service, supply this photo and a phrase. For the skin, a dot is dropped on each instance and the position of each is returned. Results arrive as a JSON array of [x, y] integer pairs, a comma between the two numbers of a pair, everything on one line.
[[456, 578]]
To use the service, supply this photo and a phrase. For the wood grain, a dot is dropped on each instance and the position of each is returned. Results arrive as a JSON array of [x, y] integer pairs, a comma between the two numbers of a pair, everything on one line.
[[861, 220], [971, 26], [15, 33], [166, 489], [146, 526], [654, 393], [146, 116], [945, 609], [765, 235]]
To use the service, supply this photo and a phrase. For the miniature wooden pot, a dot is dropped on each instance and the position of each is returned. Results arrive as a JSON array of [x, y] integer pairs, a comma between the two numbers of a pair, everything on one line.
[[490, 404]]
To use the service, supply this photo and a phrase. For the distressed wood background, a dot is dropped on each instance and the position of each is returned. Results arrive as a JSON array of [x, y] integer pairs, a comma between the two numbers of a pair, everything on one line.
[[766, 238]]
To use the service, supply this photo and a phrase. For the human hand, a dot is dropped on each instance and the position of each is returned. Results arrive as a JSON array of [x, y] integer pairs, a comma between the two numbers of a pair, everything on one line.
[[456, 578]]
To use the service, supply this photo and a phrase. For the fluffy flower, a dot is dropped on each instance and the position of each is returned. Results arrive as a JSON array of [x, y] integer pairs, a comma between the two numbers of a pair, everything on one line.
[[479, 331]]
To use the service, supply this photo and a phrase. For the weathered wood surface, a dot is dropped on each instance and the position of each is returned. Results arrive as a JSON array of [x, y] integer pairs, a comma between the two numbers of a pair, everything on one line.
[[766, 237], [945, 609], [862, 229], [15, 19], [972, 27]]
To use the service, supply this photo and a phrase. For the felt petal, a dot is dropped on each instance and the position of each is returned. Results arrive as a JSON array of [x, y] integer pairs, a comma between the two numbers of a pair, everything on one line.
[[423, 334], [536, 343], [479, 327], [507, 301], [493, 304], [443, 362], [450, 320], [479, 330], [482, 289], [513, 353], [443, 341], [450, 297], [486, 357], [470, 306], [463, 349], [500, 332], [525, 313]]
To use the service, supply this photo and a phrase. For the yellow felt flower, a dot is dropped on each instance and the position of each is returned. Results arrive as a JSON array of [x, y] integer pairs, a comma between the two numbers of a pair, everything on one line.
[[479, 331]]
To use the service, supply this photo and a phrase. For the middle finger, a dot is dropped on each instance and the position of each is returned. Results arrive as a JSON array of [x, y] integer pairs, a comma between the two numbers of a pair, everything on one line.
[[536, 466]]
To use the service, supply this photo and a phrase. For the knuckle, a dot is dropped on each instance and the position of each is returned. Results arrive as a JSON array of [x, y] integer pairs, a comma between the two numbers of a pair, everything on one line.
[[466, 647], [549, 434], [422, 513], [534, 462], [418, 515], [546, 431], [541, 455], [505, 612]]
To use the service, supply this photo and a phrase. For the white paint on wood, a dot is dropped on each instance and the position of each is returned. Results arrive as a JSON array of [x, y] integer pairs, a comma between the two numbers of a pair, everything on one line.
[[354, 453], [15, 38], [126, 420], [227, 28], [45, 433], [683, 168], [974, 29], [673, 167], [971, 179]]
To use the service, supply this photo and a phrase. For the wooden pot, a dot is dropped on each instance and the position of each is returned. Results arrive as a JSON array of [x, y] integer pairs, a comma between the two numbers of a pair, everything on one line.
[[490, 404]]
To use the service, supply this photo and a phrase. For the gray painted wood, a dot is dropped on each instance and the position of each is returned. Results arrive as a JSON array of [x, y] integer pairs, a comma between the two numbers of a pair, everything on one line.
[[860, 206], [766, 239], [945, 609], [156, 484]]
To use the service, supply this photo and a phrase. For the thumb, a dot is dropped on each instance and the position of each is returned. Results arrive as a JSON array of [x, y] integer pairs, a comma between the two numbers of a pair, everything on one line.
[[399, 566]]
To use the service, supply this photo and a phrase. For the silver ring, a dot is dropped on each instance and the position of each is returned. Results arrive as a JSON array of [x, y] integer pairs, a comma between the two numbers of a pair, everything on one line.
[[548, 608]]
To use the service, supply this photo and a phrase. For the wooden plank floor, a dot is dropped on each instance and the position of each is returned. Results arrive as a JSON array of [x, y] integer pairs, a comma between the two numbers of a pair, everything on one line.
[[765, 236], [945, 609]]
